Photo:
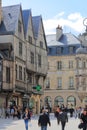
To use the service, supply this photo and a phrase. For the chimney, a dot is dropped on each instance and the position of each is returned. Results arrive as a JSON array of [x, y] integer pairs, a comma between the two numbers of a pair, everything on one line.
[[0, 11], [59, 32]]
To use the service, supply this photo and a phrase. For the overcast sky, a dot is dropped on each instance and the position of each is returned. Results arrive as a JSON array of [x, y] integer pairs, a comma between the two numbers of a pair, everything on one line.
[[67, 13]]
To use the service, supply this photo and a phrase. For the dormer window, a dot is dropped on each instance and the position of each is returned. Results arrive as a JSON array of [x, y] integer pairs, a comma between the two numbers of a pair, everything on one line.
[[71, 49], [59, 50]]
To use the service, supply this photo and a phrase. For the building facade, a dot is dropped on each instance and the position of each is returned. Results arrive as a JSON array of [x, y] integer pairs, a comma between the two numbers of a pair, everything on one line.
[[66, 82], [23, 53]]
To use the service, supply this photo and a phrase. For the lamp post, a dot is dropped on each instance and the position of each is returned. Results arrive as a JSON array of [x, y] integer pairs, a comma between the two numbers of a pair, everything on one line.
[[85, 23]]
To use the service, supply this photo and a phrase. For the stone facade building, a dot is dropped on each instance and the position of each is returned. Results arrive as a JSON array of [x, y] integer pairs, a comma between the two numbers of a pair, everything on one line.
[[66, 83], [23, 57]]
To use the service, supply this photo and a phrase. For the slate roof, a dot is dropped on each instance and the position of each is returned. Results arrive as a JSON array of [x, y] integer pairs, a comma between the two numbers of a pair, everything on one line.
[[66, 39], [69, 39], [10, 19], [51, 40], [36, 21], [26, 16]]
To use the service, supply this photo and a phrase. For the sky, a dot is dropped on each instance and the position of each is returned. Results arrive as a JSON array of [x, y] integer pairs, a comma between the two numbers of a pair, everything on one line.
[[69, 14]]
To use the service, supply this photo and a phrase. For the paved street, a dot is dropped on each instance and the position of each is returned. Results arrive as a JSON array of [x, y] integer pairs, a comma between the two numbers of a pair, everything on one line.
[[10, 124]]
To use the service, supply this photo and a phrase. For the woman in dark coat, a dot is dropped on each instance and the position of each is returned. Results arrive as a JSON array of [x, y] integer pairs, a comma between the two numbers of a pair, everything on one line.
[[83, 119], [63, 118]]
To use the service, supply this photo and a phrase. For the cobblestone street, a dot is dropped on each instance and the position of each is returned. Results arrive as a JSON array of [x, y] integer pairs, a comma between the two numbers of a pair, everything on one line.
[[10, 124]]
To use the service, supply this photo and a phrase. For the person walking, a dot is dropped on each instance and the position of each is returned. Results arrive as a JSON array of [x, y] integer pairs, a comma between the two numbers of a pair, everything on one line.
[[83, 119], [44, 120], [63, 118], [57, 114], [26, 117]]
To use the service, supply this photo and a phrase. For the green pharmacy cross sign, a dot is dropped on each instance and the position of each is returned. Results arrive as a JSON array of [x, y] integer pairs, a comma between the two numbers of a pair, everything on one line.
[[38, 87]]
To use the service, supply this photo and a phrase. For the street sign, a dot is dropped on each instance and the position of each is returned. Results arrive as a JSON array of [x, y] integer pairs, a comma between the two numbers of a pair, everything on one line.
[[38, 87]]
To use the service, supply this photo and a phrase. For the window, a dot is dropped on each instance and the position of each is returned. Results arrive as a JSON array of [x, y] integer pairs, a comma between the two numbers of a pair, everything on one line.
[[41, 44], [83, 81], [71, 50], [20, 48], [85, 100], [77, 82], [16, 71], [7, 74], [32, 57], [29, 77], [59, 83], [58, 101], [84, 64], [47, 83], [39, 60], [70, 64], [71, 101], [59, 50], [59, 65], [48, 101], [79, 64], [19, 26], [37, 79], [24, 74], [20, 73], [30, 39], [71, 82]]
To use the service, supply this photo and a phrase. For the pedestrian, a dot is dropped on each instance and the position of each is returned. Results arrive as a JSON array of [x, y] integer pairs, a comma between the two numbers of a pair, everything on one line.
[[26, 117], [44, 120], [7, 112], [57, 114], [12, 111], [63, 118], [83, 119]]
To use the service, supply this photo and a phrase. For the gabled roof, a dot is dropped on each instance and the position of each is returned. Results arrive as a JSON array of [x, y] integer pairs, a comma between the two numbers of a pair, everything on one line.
[[36, 22], [10, 19], [26, 16]]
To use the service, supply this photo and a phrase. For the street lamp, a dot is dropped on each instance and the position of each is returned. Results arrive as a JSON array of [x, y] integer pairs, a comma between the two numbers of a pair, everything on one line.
[[85, 23]]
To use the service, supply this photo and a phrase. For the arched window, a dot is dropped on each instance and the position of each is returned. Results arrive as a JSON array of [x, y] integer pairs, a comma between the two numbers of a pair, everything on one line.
[[85, 101], [58, 101], [48, 101], [71, 101]]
